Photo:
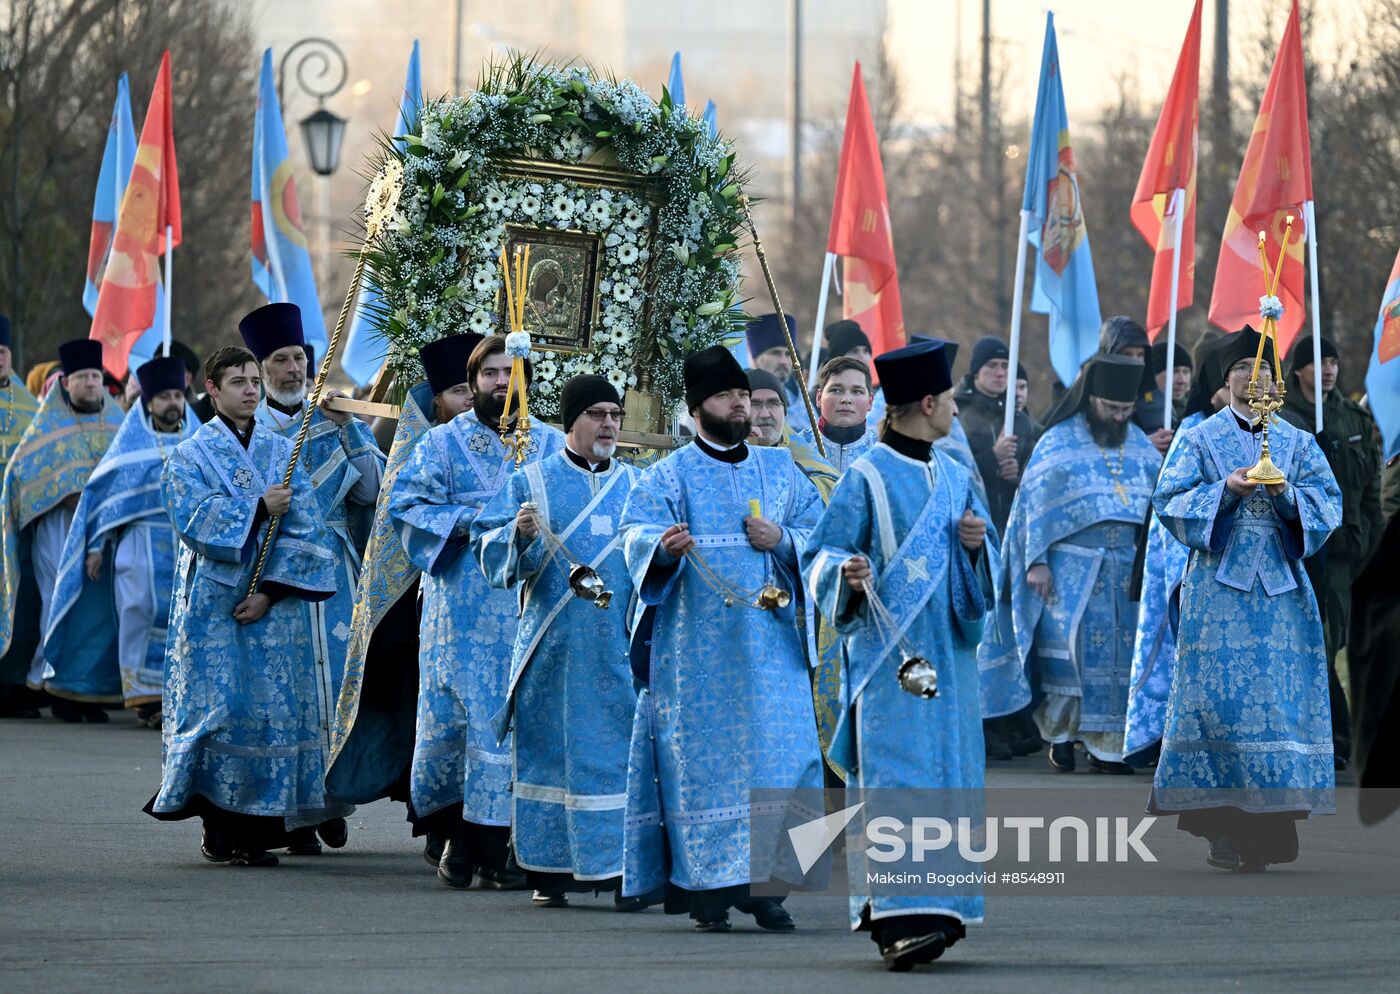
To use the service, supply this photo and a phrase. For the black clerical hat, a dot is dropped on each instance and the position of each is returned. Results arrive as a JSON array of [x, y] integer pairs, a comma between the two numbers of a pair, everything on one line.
[[766, 332], [271, 327], [445, 360], [80, 354], [910, 374], [711, 371], [164, 373]]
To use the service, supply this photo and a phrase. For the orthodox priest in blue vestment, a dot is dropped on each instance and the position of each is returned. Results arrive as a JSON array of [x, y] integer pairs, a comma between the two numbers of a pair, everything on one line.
[[1065, 615], [372, 738], [112, 597], [711, 532], [17, 410], [460, 781], [553, 534], [43, 483], [906, 529], [340, 455], [1159, 576], [1247, 747], [248, 688]]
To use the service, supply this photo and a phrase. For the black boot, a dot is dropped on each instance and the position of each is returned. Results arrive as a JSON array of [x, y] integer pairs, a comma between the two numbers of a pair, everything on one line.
[[334, 832], [432, 848], [997, 747], [302, 842], [1062, 757]]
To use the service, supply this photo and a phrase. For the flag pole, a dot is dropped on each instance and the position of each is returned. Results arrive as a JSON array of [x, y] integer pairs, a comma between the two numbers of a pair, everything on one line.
[[1009, 419], [1310, 221], [828, 270], [169, 249], [1178, 222]]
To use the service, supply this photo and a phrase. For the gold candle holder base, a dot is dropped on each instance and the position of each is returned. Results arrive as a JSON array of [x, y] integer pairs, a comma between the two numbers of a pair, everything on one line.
[[1265, 472]]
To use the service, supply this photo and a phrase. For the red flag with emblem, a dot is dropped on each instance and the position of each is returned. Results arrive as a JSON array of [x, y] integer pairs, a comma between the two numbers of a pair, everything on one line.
[[1171, 166], [861, 233], [126, 300], [1275, 181]]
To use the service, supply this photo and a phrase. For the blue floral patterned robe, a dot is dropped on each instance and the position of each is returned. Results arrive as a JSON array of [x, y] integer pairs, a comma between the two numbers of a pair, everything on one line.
[[1248, 723], [56, 455], [727, 701], [570, 698], [345, 466], [1070, 515], [121, 516], [1154, 643], [902, 515], [468, 630], [247, 707]]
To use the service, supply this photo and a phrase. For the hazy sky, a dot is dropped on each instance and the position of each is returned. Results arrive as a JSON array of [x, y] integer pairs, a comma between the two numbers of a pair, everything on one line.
[[1100, 41]]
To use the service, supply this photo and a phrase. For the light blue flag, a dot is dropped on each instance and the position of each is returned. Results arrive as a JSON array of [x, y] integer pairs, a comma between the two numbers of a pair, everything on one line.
[[364, 346], [118, 157], [1383, 376], [1064, 269], [281, 259], [709, 118]]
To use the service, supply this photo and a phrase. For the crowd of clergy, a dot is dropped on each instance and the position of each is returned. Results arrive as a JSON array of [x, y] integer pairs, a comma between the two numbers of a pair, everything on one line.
[[575, 662]]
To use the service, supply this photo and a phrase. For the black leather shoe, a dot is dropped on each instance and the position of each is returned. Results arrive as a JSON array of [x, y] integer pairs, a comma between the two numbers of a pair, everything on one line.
[[549, 899], [1223, 853], [1023, 736], [1252, 866], [455, 868], [903, 955], [252, 857], [94, 714], [1105, 766], [720, 924], [1062, 757], [213, 846], [432, 849], [773, 917], [302, 842], [334, 832]]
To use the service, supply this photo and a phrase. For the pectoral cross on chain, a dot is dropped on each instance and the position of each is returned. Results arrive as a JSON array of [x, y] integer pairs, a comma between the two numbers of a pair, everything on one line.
[[1122, 493]]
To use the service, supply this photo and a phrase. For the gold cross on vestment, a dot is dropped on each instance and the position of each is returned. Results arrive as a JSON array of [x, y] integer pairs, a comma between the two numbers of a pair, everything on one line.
[[1122, 494]]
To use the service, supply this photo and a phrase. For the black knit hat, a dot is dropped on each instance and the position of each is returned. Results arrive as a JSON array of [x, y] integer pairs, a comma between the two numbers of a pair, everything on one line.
[[1300, 355], [843, 336], [581, 393], [1157, 358], [761, 379], [986, 350], [709, 372]]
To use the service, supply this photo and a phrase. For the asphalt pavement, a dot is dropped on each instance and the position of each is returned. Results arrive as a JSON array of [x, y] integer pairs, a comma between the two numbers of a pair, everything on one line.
[[96, 896]]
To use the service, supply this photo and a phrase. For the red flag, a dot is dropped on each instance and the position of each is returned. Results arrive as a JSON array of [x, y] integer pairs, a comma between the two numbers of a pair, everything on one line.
[[1275, 181], [861, 233], [1171, 166], [126, 301]]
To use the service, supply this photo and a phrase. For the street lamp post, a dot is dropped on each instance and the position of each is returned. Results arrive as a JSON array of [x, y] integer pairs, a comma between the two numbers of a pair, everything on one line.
[[320, 71]]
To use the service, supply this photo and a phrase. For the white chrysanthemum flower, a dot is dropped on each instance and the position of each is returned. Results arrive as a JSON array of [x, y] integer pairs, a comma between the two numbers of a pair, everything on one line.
[[620, 334], [622, 293], [483, 279], [563, 207], [634, 218], [480, 323], [600, 211], [617, 378], [547, 369], [627, 253], [495, 200], [530, 205]]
